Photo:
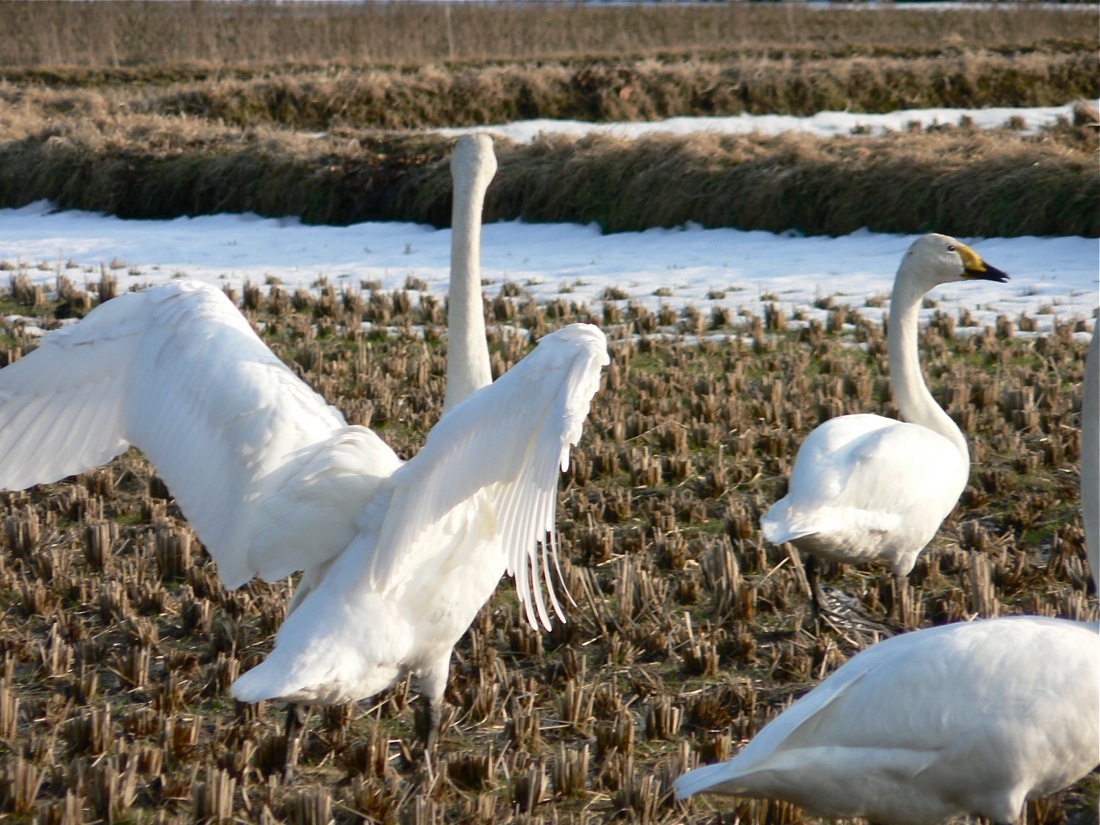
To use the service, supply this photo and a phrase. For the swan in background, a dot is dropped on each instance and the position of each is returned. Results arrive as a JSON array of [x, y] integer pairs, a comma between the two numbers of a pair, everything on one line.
[[274, 480], [865, 487], [1090, 453], [473, 165], [953, 720]]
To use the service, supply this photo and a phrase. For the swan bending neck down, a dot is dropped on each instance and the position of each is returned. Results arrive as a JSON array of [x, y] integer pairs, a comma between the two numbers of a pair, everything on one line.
[[473, 165], [953, 720], [865, 487]]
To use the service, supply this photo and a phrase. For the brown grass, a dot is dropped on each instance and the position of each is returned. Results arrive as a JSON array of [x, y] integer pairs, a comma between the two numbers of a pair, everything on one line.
[[607, 91], [118, 641], [124, 34], [163, 109], [951, 179]]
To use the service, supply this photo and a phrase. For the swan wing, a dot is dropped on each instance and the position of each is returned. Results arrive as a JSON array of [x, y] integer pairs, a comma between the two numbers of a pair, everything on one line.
[[177, 371], [489, 470]]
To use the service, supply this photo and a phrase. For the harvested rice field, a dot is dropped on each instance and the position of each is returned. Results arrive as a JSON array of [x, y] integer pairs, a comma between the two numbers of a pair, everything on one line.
[[688, 631]]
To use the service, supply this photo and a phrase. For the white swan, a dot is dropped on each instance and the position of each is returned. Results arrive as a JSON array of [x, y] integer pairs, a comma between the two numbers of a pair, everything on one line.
[[1090, 453], [473, 165], [864, 487], [273, 479], [964, 718]]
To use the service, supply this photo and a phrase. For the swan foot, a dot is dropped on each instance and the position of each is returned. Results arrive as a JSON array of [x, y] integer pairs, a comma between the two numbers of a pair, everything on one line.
[[838, 611], [844, 615]]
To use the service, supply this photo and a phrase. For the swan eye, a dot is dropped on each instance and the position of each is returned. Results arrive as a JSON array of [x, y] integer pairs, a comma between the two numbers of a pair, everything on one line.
[[952, 248]]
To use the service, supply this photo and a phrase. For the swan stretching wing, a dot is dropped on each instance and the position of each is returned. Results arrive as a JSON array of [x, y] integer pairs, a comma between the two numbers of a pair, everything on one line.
[[496, 456], [479, 498], [270, 476], [964, 718]]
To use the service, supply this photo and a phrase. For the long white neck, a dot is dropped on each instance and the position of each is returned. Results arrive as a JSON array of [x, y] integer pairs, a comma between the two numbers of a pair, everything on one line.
[[472, 167], [911, 394]]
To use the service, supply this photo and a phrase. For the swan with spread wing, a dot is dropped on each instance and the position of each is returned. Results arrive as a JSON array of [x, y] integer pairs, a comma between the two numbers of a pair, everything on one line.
[[399, 557]]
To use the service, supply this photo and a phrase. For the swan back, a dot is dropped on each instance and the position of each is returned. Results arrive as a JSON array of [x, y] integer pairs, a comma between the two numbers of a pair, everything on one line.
[[958, 719]]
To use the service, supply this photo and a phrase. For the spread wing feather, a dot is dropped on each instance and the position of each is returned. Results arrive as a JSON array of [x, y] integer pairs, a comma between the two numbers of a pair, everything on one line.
[[176, 371], [501, 448]]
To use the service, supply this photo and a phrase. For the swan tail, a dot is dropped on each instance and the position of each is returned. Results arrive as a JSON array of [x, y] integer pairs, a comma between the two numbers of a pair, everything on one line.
[[782, 524], [710, 778]]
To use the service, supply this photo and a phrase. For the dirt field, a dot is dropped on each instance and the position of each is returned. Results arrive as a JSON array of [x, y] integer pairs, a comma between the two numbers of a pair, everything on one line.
[[689, 631]]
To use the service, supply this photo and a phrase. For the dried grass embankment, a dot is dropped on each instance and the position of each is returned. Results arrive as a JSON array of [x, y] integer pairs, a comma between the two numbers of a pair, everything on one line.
[[166, 109], [117, 642], [958, 180], [622, 90], [127, 34]]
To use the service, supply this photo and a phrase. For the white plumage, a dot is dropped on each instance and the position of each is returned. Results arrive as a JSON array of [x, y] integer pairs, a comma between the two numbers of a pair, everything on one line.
[[960, 719], [435, 539], [397, 557], [273, 480], [865, 487]]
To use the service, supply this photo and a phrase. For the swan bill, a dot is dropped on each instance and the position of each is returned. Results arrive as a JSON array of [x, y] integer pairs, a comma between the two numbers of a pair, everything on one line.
[[975, 268]]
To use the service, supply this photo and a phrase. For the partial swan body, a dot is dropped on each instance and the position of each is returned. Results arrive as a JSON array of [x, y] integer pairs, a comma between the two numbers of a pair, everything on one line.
[[399, 556], [437, 536], [961, 719], [865, 487]]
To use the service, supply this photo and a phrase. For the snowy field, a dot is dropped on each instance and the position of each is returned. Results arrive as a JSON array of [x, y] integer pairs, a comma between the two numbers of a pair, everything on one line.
[[822, 124], [1052, 277]]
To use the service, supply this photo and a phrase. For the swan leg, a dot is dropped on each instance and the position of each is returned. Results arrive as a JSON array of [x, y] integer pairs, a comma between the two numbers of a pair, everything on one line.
[[295, 725], [428, 716], [817, 598], [432, 684], [903, 601]]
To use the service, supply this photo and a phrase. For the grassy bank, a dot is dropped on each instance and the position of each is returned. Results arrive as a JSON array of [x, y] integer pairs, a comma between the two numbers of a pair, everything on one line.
[[630, 90], [118, 642], [126, 34], [957, 180], [164, 109]]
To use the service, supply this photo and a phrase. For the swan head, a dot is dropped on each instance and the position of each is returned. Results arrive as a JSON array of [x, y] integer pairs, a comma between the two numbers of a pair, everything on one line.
[[473, 163], [939, 259]]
